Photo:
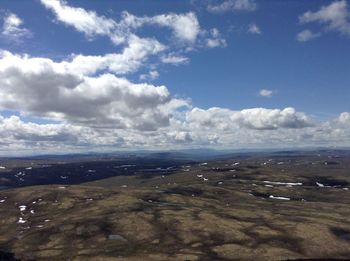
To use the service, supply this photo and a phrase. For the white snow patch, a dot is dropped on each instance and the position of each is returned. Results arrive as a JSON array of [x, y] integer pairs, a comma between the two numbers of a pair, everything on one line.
[[21, 221], [281, 198], [2, 167], [283, 183], [124, 166], [22, 207], [320, 184]]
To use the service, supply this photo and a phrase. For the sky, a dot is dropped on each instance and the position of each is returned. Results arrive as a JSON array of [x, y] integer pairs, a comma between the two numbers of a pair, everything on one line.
[[78, 76]]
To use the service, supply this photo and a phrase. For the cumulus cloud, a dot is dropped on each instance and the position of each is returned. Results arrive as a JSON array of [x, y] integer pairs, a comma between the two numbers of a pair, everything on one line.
[[344, 118], [18, 137], [261, 118], [222, 128], [266, 93], [186, 32], [42, 87], [185, 26], [232, 5], [307, 35], [87, 22], [254, 29], [334, 17], [14, 128], [96, 107], [255, 118], [133, 56], [105, 111], [12, 28]]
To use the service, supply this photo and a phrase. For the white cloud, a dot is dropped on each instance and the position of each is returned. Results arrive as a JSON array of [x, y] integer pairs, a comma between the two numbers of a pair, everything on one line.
[[12, 29], [150, 76], [335, 17], [87, 22], [255, 118], [307, 35], [42, 87], [174, 59], [254, 29], [185, 27], [105, 111], [133, 56], [218, 127], [344, 118], [266, 93], [232, 5], [215, 39], [18, 137], [97, 108]]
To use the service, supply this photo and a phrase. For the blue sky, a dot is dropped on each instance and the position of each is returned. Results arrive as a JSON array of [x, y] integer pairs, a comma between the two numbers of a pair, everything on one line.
[[239, 64]]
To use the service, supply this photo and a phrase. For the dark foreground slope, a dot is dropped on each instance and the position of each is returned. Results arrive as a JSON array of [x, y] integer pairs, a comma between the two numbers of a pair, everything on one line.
[[255, 209]]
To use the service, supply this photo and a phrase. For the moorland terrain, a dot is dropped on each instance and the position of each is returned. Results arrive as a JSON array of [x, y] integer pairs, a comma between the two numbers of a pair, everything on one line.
[[272, 206]]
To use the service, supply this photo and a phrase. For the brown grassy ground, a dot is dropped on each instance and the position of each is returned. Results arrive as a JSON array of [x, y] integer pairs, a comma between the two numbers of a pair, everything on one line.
[[182, 217]]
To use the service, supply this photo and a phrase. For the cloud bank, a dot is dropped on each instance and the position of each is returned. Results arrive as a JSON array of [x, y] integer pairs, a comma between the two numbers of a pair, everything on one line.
[[95, 105]]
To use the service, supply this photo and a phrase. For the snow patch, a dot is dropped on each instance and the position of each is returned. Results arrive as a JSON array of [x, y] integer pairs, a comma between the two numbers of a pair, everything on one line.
[[21, 221], [281, 198], [320, 185], [283, 183], [22, 207]]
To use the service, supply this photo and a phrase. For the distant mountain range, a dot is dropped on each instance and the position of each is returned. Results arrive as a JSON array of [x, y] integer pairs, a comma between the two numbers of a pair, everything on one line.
[[189, 154]]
